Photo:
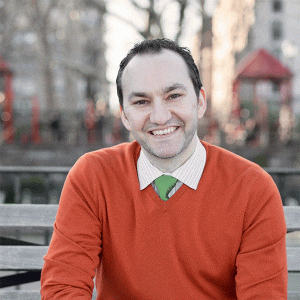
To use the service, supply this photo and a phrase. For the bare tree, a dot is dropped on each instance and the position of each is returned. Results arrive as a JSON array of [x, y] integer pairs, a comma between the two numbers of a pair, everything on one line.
[[57, 47], [206, 44], [41, 19], [35, 19], [232, 21], [38, 18], [8, 14], [153, 23]]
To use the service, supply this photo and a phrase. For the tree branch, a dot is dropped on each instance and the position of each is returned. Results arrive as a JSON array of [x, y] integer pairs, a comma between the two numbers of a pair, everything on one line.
[[83, 70], [102, 9], [99, 5], [183, 6], [9, 29], [131, 24], [134, 3]]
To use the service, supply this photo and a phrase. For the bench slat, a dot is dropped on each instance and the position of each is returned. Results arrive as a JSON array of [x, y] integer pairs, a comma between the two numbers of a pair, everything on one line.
[[25, 258], [27, 215], [291, 295], [293, 258], [31, 257], [20, 295], [35, 295], [43, 215], [294, 284], [22, 257], [25, 295], [292, 217]]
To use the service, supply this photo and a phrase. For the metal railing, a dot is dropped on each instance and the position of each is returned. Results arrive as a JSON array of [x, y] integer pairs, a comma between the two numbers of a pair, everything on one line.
[[31, 185], [288, 183], [44, 182], [38, 183]]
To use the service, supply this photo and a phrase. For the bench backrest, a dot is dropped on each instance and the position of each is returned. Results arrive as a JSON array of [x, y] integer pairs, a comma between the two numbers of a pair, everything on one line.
[[30, 257], [17, 216]]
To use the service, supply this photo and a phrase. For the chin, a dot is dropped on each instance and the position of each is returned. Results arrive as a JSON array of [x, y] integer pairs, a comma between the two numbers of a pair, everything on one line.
[[165, 154]]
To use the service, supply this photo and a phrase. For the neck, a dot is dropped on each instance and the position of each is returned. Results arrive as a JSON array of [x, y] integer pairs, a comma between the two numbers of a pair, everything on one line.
[[169, 165]]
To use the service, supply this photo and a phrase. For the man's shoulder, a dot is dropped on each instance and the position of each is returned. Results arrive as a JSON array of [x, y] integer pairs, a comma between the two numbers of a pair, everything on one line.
[[222, 153], [124, 149], [118, 156], [227, 162]]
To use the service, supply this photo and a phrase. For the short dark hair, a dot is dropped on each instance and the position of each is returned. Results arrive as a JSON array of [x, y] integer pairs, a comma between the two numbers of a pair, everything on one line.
[[156, 46]]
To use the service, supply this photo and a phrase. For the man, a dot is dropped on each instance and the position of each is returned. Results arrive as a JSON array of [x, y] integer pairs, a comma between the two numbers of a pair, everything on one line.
[[216, 231]]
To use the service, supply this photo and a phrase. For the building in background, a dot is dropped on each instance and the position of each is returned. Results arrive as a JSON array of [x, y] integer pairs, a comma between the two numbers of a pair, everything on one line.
[[232, 21], [224, 34], [238, 29]]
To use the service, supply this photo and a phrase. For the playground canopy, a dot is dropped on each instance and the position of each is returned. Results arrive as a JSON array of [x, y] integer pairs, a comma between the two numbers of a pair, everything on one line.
[[261, 65]]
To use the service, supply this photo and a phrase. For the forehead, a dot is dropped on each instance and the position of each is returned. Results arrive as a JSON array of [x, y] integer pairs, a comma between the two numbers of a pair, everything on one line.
[[150, 71]]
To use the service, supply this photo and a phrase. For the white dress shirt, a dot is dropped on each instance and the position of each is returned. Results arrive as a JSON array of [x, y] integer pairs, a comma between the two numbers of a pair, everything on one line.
[[189, 173]]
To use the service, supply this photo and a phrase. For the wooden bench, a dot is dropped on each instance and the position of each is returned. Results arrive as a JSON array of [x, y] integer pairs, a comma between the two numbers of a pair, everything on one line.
[[28, 257]]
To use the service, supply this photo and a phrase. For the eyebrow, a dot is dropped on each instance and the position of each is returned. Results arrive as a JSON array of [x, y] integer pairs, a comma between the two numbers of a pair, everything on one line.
[[174, 86], [137, 94], [166, 90]]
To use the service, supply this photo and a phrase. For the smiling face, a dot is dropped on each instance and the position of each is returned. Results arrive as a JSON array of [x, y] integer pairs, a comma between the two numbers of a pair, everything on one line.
[[161, 108]]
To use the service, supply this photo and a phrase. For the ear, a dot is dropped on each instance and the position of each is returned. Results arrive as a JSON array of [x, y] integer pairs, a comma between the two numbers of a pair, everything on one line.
[[124, 119], [202, 104]]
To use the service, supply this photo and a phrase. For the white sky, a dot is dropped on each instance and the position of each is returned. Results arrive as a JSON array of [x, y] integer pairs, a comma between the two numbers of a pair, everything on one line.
[[120, 37]]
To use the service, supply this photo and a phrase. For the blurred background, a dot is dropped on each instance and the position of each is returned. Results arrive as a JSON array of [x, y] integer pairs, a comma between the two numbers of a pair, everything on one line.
[[58, 64], [59, 60]]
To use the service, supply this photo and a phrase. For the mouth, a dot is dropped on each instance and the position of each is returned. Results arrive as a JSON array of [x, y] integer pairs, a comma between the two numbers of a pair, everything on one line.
[[164, 131]]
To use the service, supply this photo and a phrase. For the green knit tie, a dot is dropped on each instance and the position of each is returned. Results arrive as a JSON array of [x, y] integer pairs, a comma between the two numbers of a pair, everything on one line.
[[165, 183]]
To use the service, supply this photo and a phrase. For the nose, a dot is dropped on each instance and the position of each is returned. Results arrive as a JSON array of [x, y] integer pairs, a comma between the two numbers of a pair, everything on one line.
[[160, 113]]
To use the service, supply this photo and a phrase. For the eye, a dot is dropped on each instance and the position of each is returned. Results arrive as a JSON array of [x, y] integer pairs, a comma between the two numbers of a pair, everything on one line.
[[174, 96], [140, 102]]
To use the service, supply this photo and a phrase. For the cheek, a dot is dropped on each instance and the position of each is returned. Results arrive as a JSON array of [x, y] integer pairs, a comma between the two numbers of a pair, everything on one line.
[[138, 124], [125, 121], [188, 113], [134, 121]]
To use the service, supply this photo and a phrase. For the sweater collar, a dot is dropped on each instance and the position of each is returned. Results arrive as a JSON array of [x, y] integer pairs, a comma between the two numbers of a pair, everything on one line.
[[189, 173]]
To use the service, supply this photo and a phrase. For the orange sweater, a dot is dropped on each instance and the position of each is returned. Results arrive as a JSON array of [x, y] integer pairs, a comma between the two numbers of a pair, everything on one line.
[[226, 240]]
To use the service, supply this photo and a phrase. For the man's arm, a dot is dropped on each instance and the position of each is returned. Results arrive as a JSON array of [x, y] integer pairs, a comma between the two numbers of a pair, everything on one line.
[[74, 251], [261, 262]]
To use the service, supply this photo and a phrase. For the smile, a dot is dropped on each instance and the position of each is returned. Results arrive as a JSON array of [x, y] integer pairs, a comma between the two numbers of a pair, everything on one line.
[[163, 132]]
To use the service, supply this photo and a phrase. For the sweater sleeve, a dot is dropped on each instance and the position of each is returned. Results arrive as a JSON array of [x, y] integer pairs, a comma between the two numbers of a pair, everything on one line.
[[75, 248], [261, 262]]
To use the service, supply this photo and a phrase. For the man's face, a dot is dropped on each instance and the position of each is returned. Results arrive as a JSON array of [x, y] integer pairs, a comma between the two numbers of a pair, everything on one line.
[[160, 105]]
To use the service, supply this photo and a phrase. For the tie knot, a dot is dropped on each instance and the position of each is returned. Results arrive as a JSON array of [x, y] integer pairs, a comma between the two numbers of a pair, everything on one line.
[[164, 184]]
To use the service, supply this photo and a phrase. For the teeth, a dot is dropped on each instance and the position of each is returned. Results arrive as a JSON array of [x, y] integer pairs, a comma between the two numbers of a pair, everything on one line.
[[166, 131]]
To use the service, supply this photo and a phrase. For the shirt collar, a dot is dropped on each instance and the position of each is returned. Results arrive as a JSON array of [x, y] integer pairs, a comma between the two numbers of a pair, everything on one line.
[[189, 173]]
